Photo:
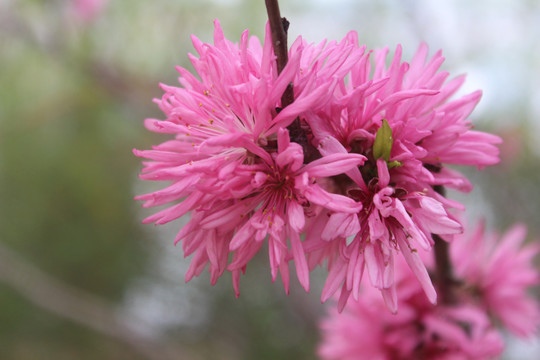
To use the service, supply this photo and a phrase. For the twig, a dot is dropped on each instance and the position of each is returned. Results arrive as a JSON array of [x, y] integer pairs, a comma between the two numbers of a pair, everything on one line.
[[278, 29], [279, 34], [444, 276]]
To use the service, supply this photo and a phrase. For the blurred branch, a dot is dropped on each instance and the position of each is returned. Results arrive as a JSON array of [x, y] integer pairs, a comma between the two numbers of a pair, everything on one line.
[[80, 307], [444, 276]]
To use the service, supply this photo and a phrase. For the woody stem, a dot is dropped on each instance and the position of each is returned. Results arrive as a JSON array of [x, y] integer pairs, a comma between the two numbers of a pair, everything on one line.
[[444, 277], [278, 30]]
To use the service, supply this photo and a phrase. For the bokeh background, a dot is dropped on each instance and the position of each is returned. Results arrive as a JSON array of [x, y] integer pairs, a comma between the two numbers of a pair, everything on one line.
[[81, 278]]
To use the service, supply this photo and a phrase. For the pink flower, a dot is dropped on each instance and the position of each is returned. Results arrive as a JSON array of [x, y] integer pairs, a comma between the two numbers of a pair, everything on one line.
[[493, 286], [232, 164], [499, 275], [367, 196], [419, 331], [402, 118]]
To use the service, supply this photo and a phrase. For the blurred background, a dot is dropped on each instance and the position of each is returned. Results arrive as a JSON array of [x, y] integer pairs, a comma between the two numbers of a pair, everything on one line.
[[81, 278]]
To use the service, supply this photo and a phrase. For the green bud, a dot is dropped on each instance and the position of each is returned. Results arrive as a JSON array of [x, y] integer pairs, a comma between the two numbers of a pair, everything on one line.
[[393, 164], [383, 142]]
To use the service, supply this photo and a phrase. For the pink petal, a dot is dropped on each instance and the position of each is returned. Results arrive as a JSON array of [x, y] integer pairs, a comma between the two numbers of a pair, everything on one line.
[[341, 225], [245, 233], [434, 218], [333, 164], [334, 202], [300, 260], [417, 267], [295, 213], [335, 278]]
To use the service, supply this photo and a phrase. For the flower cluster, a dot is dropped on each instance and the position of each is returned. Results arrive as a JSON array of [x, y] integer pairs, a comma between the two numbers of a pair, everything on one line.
[[499, 275], [345, 176], [493, 287], [402, 120]]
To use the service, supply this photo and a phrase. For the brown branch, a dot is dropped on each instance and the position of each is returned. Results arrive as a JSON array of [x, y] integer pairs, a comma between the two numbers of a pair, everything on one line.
[[81, 307], [279, 34], [278, 29], [444, 275]]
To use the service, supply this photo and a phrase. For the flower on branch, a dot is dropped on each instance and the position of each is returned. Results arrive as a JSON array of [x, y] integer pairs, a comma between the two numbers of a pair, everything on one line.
[[232, 164], [344, 176], [493, 286], [403, 119], [500, 274]]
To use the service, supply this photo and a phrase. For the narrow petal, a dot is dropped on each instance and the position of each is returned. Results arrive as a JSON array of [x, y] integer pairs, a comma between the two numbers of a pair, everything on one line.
[[417, 267], [333, 164], [340, 225], [296, 216], [335, 278], [334, 202], [300, 262]]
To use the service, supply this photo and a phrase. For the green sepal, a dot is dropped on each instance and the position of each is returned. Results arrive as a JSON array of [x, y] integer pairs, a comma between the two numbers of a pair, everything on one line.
[[382, 147], [393, 164]]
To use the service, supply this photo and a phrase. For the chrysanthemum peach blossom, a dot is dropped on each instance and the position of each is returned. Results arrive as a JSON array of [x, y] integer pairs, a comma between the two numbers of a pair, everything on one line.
[[232, 163], [276, 193], [490, 289], [402, 118], [419, 331], [499, 275], [360, 166]]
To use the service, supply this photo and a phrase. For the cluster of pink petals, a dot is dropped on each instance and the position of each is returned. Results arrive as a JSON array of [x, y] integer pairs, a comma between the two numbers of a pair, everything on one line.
[[232, 164], [248, 181], [494, 284], [401, 208], [499, 275], [419, 331]]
